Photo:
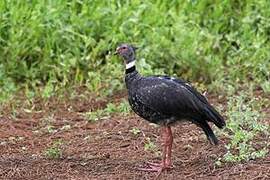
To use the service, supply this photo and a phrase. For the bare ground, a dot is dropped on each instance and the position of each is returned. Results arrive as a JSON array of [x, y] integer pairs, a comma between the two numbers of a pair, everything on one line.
[[106, 149]]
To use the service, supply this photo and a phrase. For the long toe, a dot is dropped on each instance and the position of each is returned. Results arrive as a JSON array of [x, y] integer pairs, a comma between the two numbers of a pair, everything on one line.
[[151, 169], [154, 164], [155, 167], [166, 166]]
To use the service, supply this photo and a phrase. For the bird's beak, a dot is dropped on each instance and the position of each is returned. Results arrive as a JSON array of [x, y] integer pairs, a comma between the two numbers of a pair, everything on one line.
[[116, 51]]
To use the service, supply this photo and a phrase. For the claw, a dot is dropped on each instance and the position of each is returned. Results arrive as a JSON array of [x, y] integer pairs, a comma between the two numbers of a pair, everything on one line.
[[166, 163], [154, 164], [156, 167], [151, 169], [166, 166]]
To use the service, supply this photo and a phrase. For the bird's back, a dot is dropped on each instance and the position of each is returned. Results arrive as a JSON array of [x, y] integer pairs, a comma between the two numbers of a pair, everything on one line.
[[172, 99]]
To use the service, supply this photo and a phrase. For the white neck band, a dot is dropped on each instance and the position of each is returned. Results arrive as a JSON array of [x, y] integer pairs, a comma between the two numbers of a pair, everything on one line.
[[130, 65]]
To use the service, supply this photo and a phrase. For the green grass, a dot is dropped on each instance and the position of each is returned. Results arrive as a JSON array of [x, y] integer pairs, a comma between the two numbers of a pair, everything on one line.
[[54, 44], [151, 146], [111, 108], [244, 129], [54, 151], [135, 131]]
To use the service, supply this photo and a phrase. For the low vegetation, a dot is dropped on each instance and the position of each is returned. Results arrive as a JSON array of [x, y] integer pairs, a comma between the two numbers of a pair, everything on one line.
[[122, 107], [58, 44], [244, 129], [54, 151]]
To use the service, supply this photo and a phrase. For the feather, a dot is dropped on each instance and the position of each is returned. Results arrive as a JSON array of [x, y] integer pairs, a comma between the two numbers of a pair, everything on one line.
[[164, 100]]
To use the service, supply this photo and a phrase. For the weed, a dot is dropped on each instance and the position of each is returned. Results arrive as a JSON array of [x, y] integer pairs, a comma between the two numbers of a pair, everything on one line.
[[59, 47], [135, 130], [95, 115], [150, 146], [54, 151], [243, 127], [51, 129], [48, 90], [266, 86], [122, 108]]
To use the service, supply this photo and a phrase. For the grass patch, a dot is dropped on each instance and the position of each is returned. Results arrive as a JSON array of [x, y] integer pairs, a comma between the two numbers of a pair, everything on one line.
[[122, 108], [150, 146], [54, 151], [244, 129], [135, 131], [55, 45]]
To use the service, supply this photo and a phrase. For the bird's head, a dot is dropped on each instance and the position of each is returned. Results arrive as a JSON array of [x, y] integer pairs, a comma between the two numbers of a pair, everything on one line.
[[127, 52]]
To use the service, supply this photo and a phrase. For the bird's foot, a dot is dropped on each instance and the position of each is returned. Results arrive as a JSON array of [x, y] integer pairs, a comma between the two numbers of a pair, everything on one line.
[[167, 165], [156, 167]]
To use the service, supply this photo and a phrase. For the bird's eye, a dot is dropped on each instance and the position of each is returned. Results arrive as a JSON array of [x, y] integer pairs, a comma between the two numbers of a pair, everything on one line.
[[124, 47]]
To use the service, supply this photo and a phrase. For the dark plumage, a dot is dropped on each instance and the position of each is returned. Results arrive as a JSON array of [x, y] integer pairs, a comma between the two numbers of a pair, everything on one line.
[[165, 100]]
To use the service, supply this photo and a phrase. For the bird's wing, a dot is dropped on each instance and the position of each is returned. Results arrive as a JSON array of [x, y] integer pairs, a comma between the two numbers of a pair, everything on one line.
[[186, 85], [175, 97], [169, 96]]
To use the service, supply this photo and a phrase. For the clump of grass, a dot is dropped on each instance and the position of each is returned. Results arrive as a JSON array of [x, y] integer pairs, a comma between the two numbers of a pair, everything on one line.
[[58, 44], [244, 127], [51, 129], [135, 131], [54, 151], [122, 107], [94, 116], [150, 146], [111, 108]]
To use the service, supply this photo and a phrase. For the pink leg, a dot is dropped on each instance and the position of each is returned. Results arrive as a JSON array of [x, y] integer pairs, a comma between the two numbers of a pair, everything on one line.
[[169, 141], [166, 154], [164, 151]]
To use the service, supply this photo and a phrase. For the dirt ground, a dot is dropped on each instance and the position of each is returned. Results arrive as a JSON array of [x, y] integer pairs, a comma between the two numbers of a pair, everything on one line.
[[106, 149]]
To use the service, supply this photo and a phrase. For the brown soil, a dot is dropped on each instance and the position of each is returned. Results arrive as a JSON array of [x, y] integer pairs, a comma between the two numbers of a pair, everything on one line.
[[106, 149]]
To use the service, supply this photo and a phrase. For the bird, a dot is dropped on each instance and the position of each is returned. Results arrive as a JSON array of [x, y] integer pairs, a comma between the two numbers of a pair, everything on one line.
[[165, 100]]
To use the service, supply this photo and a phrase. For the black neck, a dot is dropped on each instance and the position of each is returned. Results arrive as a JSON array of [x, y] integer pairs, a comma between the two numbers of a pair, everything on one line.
[[130, 70]]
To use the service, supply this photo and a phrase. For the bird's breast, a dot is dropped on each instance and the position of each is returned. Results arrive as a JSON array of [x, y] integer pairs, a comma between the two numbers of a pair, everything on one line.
[[145, 111]]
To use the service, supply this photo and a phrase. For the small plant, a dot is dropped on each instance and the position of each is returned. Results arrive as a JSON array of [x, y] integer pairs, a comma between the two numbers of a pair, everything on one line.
[[66, 127], [94, 116], [150, 146], [266, 86], [51, 129], [48, 90], [111, 108], [122, 108], [135, 130], [54, 151], [243, 126]]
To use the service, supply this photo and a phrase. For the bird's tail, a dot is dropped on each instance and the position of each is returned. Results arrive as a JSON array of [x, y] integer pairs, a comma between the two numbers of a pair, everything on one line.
[[208, 132], [213, 116]]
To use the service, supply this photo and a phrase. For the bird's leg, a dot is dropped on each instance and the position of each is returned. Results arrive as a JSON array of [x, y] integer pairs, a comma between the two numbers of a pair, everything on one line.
[[166, 154], [169, 142], [167, 148], [164, 151]]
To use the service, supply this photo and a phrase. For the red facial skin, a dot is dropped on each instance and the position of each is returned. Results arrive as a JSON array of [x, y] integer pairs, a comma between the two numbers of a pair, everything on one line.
[[121, 50]]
